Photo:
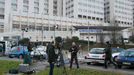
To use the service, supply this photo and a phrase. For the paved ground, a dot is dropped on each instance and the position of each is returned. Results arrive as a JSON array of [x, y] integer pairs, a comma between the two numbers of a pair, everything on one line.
[[40, 65], [125, 70], [10, 59]]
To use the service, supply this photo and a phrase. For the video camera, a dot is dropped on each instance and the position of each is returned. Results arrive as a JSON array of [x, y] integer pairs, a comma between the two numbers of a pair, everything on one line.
[[58, 42]]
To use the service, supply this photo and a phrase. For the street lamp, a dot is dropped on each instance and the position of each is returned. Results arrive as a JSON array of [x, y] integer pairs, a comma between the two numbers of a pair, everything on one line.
[[88, 35], [55, 27]]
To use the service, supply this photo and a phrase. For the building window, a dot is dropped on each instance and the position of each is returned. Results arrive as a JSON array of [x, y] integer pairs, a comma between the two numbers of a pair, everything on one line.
[[84, 17], [14, 1], [89, 17], [79, 16], [1, 16], [97, 18], [36, 6], [2, 10], [25, 8], [93, 18], [36, 10], [25, 1], [2, 4], [14, 5]]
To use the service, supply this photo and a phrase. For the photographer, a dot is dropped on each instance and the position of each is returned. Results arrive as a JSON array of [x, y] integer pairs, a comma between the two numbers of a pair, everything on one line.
[[51, 56], [74, 49]]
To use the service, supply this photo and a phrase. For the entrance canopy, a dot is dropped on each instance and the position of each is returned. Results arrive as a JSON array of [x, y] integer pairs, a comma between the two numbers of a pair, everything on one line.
[[104, 28]]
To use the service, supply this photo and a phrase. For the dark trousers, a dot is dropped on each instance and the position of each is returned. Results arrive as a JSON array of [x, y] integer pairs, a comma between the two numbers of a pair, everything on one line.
[[109, 61], [76, 61], [51, 68]]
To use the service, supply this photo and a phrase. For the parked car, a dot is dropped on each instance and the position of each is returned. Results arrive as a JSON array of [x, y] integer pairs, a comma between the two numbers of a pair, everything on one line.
[[40, 51], [116, 52], [97, 55], [126, 58], [18, 51]]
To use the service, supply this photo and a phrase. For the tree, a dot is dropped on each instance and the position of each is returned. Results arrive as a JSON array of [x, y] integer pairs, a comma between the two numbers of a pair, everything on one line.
[[58, 39], [24, 41], [114, 32], [75, 39], [131, 38]]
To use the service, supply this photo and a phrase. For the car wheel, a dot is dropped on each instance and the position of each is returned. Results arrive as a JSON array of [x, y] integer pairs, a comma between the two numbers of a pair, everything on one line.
[[88, 63], [115, 59], [10, 56]]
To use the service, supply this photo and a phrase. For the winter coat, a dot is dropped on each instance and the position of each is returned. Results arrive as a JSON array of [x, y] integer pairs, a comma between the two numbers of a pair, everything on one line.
[[51, 53], [108, 52], [74, 50]]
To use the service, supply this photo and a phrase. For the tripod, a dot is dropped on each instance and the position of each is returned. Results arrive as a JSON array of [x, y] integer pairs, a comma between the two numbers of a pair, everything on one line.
[[62, 63]]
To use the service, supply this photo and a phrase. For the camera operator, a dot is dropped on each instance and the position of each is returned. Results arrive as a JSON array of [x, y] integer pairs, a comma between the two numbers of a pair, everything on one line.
[[74, 49], [51, 56]]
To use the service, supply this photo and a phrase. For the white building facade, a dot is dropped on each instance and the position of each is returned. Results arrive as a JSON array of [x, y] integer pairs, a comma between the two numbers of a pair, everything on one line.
[[84, 9], [40, 17], [119, 13], [2, 15]]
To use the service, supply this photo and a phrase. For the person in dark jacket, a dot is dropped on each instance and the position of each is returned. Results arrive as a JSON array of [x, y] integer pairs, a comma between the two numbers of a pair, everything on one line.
[[108, 55], [74, 49], [51, 56]]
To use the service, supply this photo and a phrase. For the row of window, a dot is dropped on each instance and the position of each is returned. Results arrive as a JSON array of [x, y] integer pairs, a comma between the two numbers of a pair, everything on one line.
[[123, 7], [55, 8], [69, 1], [91, 6], [70, 12], [1, 27], [91, 11], [95, 1], [26, 6], [126, 18], [123, 12], [120, 22], [69, 7], [123, 2], [90, 17], [33, 27]]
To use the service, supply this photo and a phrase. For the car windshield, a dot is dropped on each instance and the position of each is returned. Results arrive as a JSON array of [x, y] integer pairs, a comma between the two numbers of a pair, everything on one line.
[[127, 53], [116, 50], [97, 51]]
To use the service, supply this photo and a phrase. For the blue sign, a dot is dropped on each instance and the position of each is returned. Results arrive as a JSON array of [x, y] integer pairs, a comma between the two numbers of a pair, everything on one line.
[[90, 30]]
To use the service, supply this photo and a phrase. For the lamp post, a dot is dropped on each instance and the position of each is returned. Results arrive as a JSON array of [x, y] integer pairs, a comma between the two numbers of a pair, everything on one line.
[[88, 35], [42, 28], [55, 27]]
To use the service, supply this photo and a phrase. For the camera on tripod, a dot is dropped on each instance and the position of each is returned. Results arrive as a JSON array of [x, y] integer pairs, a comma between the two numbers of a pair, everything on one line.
[[59, 45]]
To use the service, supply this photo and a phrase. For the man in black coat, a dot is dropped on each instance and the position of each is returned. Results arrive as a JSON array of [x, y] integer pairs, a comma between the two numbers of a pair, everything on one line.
[[108, 55], [51, 56], [74, 49]]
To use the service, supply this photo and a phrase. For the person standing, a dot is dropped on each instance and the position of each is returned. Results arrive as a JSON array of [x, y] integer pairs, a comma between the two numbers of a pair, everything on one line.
[[51, 56], [74, 49], [27, 58], [108, 55]]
